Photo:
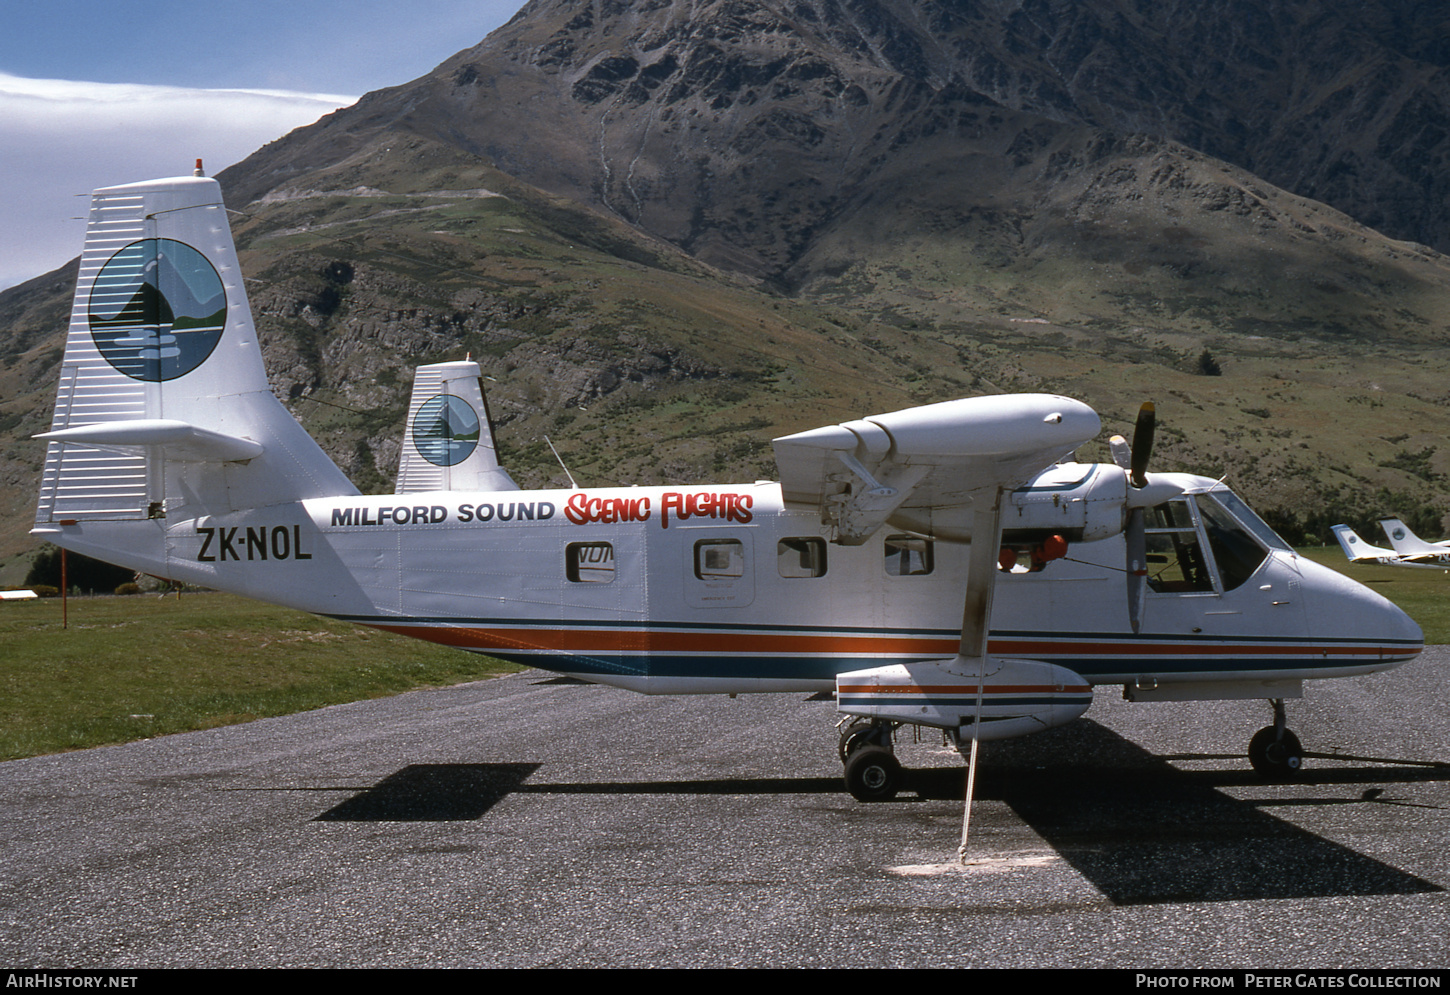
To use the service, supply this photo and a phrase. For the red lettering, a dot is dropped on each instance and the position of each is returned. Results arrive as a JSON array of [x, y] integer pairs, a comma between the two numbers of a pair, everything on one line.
[[582, 509], [674, 500], [730, 506]]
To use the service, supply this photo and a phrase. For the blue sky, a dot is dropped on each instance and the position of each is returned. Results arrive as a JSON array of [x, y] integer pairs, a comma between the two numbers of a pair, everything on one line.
[[94, 94]]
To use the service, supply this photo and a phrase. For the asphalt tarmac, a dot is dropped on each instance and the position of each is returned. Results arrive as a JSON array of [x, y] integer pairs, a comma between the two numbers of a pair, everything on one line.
[[532, 821]]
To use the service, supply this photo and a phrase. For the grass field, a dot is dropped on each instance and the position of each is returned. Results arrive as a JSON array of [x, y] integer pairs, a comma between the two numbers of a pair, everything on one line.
[[135, 667], [131, 668]]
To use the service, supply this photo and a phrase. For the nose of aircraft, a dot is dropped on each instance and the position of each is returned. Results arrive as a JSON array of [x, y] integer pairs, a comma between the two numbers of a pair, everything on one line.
[[1338, 608]]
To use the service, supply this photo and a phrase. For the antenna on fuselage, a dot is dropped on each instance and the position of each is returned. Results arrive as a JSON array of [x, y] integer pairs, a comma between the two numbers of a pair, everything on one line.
[[561, 464]]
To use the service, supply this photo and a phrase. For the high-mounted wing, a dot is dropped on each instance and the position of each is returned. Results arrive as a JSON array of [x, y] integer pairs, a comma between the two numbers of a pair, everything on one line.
[[922, 469], [939, 470]]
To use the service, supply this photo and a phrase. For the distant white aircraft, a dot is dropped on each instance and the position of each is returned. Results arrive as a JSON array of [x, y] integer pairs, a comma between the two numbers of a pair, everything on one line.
[[872, 569], [1359, 551], [1412, 547]]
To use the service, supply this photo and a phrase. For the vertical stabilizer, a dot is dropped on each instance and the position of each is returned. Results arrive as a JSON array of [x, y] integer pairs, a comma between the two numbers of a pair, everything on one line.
[[1356, 549], [163, 406], [1406, 542], [448, 441]]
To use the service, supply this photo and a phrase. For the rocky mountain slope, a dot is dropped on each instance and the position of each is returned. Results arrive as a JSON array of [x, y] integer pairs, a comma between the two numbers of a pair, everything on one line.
[[740, 129]]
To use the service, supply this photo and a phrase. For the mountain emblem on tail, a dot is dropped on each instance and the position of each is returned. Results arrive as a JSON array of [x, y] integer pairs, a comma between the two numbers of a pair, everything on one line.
[[157, 309], [445, 430]]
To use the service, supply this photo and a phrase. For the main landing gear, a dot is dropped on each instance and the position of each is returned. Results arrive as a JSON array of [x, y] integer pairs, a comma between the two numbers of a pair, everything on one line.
[[872, 771], [1275, 752]]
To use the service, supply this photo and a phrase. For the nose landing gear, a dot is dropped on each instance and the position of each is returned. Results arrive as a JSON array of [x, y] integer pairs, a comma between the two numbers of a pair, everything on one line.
[[1275, 752]]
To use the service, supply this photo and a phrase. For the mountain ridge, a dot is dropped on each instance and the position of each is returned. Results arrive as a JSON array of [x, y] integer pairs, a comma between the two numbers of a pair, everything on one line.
[[686, 106]]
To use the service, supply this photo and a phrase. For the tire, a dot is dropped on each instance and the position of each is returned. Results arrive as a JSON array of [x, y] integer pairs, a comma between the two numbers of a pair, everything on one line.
[[1275, 758], [873, 774]]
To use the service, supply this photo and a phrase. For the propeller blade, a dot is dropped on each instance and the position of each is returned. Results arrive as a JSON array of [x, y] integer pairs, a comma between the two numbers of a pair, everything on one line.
[[1137, 540], [1142, 444], [1136, 534]]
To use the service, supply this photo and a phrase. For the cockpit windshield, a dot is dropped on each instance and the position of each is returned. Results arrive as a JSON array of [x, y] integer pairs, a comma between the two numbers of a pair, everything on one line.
[[1236, 536], [1246, 516]]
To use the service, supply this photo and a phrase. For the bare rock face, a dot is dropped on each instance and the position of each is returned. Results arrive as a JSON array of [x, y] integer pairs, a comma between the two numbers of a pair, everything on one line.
[[741, 130]]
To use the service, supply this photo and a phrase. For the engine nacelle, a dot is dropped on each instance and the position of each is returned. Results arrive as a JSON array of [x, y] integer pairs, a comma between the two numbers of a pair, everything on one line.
[[1083, 502], [1018, 696]]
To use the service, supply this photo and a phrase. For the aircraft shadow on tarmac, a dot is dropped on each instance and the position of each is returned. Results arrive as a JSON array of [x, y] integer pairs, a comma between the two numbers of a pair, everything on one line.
[[1141, 831]]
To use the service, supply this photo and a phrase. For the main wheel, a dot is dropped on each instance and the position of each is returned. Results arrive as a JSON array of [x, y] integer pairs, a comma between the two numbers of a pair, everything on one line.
[[873, 774], [1274, 757]]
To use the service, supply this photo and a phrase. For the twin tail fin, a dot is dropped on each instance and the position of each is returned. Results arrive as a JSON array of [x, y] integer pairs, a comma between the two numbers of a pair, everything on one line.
[[164, 407]]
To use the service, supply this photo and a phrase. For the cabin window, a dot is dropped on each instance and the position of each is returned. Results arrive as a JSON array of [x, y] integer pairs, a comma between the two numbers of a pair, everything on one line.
[[802, 557], [1175, 560], [589, 562], [908, 556], [719, 559]]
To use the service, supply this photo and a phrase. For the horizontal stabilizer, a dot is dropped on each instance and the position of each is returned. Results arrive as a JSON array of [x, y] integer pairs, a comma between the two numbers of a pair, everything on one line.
[[181, 440]]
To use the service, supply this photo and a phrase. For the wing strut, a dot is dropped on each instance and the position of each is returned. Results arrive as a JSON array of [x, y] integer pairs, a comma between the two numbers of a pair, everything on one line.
[[976, 621]]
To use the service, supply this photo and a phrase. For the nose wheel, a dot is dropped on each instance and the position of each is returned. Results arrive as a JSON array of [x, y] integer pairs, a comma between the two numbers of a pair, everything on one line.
[[1275, 752]]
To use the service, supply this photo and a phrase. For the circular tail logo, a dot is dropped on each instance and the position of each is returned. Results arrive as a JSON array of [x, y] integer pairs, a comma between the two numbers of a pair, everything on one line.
[[157, 309], [445, 430]]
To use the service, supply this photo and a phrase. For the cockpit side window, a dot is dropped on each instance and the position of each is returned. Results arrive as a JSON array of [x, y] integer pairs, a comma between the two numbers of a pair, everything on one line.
[[1175, 561], [1235, 550]]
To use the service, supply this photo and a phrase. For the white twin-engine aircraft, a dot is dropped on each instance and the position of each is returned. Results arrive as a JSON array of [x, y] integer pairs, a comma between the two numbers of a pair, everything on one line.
[[870, 570], [1409, 549], [1412, 547]]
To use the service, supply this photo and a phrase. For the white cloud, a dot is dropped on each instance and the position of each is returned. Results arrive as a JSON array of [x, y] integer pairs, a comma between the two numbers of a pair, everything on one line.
[[59, 138]]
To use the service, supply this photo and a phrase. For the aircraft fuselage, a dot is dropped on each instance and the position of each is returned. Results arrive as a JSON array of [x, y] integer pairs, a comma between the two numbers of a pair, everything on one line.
[[720, 588]]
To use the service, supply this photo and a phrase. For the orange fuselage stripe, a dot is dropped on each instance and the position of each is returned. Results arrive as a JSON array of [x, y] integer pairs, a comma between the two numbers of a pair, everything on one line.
[[613, 640]]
